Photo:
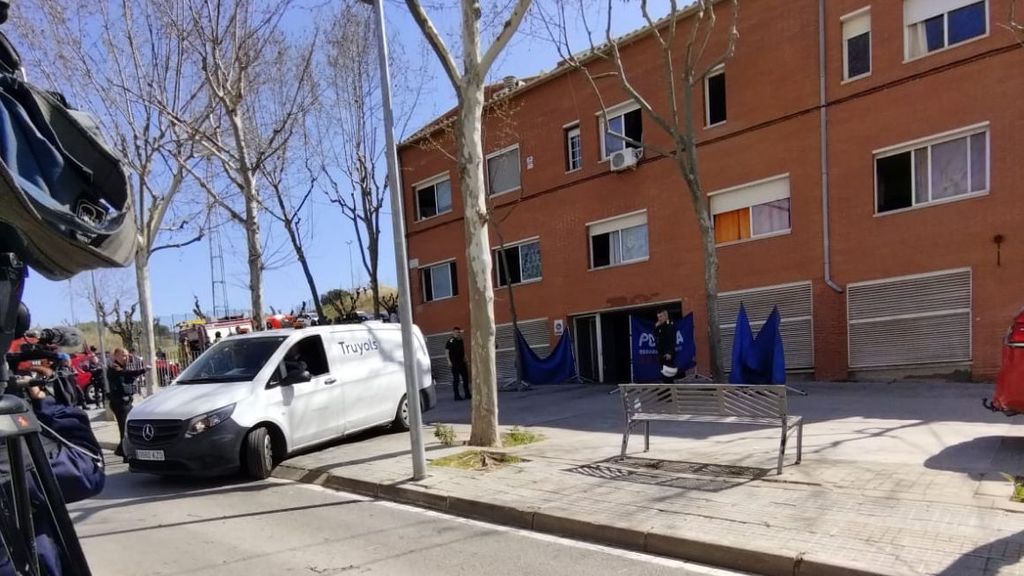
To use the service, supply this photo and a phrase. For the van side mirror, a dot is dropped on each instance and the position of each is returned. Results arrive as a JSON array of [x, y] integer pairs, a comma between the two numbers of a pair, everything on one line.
[[296, 377]]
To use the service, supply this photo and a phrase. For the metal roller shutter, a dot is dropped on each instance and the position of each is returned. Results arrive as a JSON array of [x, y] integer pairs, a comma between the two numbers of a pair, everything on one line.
[[535, 331], [923, 319], [796, 305]]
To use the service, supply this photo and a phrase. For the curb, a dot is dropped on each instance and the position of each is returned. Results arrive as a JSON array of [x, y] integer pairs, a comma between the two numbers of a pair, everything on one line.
[[689, 548]]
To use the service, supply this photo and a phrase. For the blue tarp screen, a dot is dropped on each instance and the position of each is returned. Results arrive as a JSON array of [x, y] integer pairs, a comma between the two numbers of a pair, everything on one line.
[[557, 368], [646, 365], [761, 359]]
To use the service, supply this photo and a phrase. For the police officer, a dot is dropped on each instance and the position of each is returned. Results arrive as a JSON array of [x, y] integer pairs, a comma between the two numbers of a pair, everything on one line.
[[457, 361], [665, 337]]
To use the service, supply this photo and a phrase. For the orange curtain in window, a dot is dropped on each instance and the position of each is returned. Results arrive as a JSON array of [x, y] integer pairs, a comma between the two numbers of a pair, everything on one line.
[[732, 226]]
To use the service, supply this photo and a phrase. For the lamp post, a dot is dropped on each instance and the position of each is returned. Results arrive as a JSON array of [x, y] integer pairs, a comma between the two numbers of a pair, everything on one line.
[[419, 462]]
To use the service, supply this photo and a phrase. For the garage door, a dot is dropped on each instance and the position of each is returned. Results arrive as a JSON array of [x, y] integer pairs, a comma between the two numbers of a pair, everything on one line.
[[535, 331], [923, 319], [795, 302]]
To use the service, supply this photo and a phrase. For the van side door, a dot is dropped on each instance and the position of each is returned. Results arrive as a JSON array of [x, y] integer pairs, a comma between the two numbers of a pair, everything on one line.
[[311, 409]]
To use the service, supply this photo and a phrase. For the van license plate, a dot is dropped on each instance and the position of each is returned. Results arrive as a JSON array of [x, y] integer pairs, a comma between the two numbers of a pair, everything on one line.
[[153, 455]]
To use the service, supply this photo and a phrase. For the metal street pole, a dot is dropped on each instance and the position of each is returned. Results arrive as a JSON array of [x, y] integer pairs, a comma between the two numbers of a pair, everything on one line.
[[419, 462], [351, 273]]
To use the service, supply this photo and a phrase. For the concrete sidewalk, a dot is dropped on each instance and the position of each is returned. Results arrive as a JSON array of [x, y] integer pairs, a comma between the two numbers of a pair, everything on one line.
[[896, 479]]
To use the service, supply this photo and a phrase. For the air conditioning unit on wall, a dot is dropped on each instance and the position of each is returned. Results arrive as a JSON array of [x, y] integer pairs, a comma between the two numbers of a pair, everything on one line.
[[625, 158]]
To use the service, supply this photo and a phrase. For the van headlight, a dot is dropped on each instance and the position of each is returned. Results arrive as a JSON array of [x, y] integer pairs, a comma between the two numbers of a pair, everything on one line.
[[204, 422]]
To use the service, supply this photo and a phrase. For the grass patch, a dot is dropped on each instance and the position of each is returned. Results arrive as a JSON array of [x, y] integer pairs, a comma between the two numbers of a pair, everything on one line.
[[445, 434], [1018, 487], [479, 460], [520, 437]]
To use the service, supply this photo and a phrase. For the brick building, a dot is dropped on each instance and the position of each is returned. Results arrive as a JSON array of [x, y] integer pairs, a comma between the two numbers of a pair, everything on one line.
[[905, 257]]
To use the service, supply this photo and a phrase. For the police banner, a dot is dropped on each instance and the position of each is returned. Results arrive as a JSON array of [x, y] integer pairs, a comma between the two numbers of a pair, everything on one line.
[[646, 364]]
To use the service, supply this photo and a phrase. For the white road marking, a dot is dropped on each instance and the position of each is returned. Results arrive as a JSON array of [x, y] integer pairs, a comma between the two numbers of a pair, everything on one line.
[[638, 556]]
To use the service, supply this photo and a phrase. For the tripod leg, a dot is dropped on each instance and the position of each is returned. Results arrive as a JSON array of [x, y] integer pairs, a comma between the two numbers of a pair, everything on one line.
[[62, 521], [22, 509]]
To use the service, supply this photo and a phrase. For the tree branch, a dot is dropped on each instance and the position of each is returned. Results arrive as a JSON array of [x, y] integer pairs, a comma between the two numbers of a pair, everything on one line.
[[197, 238], [436, 42], [507, 30]]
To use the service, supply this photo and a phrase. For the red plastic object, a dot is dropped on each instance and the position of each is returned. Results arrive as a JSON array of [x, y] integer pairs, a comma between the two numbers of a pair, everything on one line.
[[1009, 396]]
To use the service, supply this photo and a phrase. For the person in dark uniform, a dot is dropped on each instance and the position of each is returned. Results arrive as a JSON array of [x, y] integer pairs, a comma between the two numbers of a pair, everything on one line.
[[457, 360], [665, 337], [121, 381]]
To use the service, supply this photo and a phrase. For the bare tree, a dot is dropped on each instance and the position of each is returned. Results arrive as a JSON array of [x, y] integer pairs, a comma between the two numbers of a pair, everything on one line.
[[1015, 24], [119, 58], [242, 51], [469, 86], [123, 325], [685, 64], [344, 303], [349, 124]]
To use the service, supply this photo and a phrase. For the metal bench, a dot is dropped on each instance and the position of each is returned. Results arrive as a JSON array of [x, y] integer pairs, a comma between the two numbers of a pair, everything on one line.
[[715, 403]]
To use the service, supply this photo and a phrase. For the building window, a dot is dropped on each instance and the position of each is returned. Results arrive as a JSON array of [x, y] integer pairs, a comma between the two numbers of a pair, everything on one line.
[[573, 149], [623, 120], [714, 97], [523, 261], [945, 168], [503, 171], [936, 24], [857, 45], [752, 210], [620, 240], [433, 197], [439, 282]]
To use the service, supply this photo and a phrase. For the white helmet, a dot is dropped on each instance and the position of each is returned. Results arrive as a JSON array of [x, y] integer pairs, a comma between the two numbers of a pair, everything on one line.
[[669, 371]]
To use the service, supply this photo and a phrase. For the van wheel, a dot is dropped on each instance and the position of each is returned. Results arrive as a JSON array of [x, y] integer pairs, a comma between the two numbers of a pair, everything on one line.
[[259, 454], [401, 422]]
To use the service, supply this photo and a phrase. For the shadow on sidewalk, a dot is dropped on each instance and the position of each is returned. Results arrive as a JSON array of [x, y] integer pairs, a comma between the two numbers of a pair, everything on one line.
[[989, 559], [981, 455], [698, 476]]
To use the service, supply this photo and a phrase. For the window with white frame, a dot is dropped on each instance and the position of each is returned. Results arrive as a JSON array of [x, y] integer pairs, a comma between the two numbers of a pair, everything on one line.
[[503, 173], [518, 263], [573, 148], [857, 44], [752, 210], [439, 281], [618, 240], [624, 120], [433, 197], [943, 168], [932, 25], [714, 97]]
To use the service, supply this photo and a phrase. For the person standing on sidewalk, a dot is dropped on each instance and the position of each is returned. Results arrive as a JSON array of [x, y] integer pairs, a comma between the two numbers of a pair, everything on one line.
[[665, 337], [456, 348], [121, 381]]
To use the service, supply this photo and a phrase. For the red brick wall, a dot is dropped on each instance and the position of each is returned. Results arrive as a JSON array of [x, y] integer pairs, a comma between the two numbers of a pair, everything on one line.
[[772, 129]]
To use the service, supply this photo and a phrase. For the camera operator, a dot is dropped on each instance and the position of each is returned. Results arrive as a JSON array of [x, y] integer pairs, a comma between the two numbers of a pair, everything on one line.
[[74, 456], [122, 391]]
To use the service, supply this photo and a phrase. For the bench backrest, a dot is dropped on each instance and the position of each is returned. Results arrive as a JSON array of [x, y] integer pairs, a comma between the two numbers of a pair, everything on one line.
[[741, 400]]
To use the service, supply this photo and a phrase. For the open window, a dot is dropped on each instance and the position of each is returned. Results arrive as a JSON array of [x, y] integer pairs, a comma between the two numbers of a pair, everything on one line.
[[624, 120], [439, 281], [752, 210], [933, 25], [619, 240], [857, 44], [306, 354]]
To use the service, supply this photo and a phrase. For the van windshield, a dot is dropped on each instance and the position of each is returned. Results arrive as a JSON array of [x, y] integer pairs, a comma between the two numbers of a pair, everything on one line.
[[231, 360]]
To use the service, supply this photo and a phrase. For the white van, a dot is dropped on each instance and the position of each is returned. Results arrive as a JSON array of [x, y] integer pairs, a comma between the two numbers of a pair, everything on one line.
[[252, 399]]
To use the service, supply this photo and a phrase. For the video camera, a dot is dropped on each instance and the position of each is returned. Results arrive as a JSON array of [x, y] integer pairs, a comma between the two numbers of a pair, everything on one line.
[[55, 171]]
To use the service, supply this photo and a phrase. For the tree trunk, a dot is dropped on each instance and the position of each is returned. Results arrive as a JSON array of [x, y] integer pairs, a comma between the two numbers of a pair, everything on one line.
[[483, 375], [374, 250], [707, 235], [146, 316], [252, 242], [300, 253]]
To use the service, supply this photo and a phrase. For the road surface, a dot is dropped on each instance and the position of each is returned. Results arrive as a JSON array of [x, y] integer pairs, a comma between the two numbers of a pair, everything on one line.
[[152, 526]]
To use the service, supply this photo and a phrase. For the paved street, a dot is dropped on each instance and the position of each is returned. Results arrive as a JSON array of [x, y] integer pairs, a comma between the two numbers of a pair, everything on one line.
[[145, 525]]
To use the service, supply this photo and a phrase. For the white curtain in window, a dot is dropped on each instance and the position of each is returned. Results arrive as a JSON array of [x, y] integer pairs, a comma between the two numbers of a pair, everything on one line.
[[529, 261], [634, 243], [441, 281], [949, 169], [444, 196], [770, 217], [979, 162], [503, 171], [917, 40], [920, 175]]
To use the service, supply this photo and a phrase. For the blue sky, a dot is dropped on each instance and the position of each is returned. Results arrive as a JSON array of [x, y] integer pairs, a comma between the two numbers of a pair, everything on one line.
[[178, 275]]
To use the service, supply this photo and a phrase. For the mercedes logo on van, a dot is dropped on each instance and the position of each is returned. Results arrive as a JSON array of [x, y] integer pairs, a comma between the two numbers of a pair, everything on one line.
[[148, 432]]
